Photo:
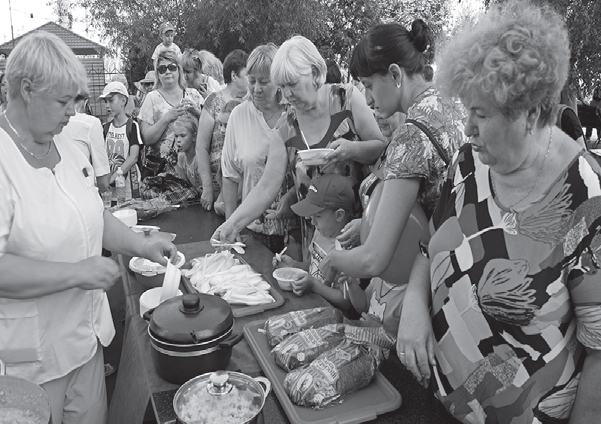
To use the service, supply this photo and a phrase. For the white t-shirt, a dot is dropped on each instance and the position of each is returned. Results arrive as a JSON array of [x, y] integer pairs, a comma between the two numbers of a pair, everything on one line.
[[54, 216], [244, 155], [161, 47], [118, 150], [86, 132]]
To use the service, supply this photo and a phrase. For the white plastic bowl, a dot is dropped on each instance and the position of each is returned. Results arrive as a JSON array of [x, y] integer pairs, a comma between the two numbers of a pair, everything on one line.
[[314, 156], [151, 299], [285, 276]]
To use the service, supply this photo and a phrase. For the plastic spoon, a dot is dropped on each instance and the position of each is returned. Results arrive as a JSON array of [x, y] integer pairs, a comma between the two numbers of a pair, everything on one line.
[[278, 256]]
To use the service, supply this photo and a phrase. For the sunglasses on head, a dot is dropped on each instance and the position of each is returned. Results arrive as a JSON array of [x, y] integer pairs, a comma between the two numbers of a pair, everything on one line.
[[163, 68]]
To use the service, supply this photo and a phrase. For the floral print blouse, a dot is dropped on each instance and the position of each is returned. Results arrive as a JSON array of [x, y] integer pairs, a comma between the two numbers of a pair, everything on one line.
[[516, 294], [411, 154]]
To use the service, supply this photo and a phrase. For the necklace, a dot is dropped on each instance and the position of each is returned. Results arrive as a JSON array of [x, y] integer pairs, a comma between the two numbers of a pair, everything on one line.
[[23, 146], [387, 291], [272, 115], [540, 171]]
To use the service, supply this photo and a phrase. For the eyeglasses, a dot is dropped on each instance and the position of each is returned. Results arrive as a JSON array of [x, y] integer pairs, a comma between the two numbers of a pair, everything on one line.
[[163, 68]]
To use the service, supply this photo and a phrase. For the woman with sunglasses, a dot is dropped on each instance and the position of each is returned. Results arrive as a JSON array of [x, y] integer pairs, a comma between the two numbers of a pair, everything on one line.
[[160, 110]]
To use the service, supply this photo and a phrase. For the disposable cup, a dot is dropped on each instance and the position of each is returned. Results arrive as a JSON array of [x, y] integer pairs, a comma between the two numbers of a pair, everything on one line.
[[107, 198], [151, 299]]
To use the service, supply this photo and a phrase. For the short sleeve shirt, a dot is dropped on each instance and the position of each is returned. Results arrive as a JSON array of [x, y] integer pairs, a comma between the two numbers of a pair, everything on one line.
[[151, 111], [86, 132]]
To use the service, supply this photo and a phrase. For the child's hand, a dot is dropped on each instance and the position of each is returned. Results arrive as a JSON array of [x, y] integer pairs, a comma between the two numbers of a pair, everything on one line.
[[286, 261], [206, 199], [303, 284], [370, 320], [113, 178]]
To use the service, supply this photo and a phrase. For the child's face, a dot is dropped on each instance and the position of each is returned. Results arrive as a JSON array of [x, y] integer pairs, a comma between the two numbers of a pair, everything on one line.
[[168, 37], [114, 104], [222, 120], [183, 139], [326, 223]]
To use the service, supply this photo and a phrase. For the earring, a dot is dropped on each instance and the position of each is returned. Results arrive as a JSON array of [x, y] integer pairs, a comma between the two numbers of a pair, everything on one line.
[[530, 132], [398, 85]]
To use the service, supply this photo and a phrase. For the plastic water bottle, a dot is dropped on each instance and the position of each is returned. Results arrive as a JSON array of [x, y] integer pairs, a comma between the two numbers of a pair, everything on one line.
[[120, 186]]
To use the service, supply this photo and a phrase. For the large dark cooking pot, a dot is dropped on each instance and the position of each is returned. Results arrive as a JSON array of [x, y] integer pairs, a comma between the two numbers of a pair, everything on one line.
[[22, 401], [191, 335]]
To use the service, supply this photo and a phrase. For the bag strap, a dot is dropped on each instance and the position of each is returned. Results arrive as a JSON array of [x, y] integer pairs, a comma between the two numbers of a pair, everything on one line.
[[426, 130]]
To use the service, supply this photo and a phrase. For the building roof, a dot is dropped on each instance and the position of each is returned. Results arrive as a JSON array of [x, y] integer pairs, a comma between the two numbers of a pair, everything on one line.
[[81, 46]]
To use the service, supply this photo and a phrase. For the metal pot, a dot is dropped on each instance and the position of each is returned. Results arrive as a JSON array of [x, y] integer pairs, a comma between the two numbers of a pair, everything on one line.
[[21, 396], [191, 335], [214, 397]]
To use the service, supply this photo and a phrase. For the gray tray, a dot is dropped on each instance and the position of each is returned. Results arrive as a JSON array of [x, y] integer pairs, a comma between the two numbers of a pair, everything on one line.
[[358, 407]]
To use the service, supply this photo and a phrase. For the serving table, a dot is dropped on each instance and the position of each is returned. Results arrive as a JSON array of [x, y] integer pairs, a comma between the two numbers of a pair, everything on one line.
[[137, 380]]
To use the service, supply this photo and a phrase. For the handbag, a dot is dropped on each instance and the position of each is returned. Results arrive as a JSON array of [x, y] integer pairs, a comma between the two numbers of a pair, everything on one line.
[[152, 165]]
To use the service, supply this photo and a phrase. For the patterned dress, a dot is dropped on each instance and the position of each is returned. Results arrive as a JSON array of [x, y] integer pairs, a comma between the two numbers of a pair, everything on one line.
[[516, 295], [213, 105], [411, 154]]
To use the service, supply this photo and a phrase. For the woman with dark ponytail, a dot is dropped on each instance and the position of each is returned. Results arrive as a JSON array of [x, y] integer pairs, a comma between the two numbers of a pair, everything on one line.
[[394, 66]]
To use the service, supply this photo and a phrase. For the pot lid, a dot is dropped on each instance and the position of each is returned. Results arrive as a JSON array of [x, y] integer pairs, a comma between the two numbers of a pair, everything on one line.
[[203, 398], [191, 319]]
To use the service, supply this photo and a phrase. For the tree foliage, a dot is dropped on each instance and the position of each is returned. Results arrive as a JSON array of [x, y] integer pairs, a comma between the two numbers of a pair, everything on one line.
[[335, 26]]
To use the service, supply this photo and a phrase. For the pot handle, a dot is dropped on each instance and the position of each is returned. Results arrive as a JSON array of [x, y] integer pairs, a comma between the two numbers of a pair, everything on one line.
[[265, 382], [232, 340], [148, 314]]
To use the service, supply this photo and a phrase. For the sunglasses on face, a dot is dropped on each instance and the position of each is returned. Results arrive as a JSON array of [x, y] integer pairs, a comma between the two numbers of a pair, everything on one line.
[[163, 68]]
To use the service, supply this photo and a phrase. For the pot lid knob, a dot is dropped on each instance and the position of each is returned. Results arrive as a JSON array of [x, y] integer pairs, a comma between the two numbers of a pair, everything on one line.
[[219, 385], [191, 304]]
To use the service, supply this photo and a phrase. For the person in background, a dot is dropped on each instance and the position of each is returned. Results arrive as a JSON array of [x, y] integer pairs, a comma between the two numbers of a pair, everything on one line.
[[184, 130], [122, 140], [166, 32], [503, 308], [222, 120], [3, 92], [195, 78], [143, 87], [209, 142], [55, 313], [596, 102], [333, 74], [252, 127], [567, 119], [86, 131], [212, 67], [168, 101], [329, 205]]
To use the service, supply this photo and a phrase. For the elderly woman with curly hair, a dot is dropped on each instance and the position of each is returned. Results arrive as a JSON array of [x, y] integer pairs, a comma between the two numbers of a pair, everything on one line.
[[161, 108], [506, 308]]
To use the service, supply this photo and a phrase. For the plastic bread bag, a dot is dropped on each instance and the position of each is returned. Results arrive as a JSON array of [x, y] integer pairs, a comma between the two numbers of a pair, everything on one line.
[[374, 335], [278, 327], [335, 373], [301, 348]]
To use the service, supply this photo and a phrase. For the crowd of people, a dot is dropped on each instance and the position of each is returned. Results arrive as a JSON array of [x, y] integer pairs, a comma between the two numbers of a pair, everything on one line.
[[455, 208]]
